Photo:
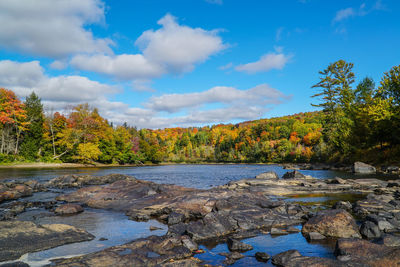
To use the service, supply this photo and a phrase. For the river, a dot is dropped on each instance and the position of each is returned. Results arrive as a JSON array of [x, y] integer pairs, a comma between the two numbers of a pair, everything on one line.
[[117, 229]]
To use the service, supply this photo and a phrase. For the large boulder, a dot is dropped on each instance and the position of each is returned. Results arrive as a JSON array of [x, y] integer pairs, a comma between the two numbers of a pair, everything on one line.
[[363, 168], [370, 254], [268, 175], [20, 237], [332, 223]]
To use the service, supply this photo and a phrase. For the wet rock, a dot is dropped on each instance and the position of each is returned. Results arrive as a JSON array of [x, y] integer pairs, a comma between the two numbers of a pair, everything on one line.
[[103, 239], [150, 251], [268, 175], [332, 223], [70, 181], [283, 258], [262, 256], [363, 168], [292, 229], [232, 257], [294, 174], [320, 262], [235, 245], [370, 230], [315, 236], [154, 228], [19, 237], [363, 251], [276, 231], [14, 190], [68, 209], [344, 205]]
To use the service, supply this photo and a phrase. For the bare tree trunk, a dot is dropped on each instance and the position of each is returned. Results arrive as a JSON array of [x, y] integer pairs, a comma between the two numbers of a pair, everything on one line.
[[2, 141], [52, 137]]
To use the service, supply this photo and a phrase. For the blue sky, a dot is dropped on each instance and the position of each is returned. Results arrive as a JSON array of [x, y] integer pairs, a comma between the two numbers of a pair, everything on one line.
[[158, 63]]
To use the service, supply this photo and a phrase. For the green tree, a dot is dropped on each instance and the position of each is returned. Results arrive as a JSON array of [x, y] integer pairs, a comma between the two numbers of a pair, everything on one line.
[[32, 139], [337, 98]]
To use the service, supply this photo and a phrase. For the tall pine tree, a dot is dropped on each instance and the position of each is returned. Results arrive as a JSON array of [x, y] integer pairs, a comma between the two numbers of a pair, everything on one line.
[[31, 145]]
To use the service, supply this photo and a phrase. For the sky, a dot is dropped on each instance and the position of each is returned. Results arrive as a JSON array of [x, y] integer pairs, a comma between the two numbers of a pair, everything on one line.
[[179, 63]]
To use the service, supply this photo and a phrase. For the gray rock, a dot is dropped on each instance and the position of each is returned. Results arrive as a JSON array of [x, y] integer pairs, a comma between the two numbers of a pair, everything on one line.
[[68, 209], [276, 231], [188, 243], [268, 175], [262, 256], [20, 237], [283, 258], [293, 174], [315, 236], [344, 205], [370, 230], [175, 218], [235, 245], [363, 168]]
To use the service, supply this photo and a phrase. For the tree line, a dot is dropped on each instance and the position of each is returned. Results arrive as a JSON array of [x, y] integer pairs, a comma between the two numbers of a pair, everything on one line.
[[356, 122]]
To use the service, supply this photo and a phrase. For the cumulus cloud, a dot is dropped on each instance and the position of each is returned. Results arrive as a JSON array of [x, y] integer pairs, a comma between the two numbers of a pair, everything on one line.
[[23, 78], [361, 11], [173, 48], [266, 63], [259, 95], [51, 28], [220, 104], [127, 67]]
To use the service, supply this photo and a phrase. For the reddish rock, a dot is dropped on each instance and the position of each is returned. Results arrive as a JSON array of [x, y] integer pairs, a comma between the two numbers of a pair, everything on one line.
[[68, 209], [332, 223]]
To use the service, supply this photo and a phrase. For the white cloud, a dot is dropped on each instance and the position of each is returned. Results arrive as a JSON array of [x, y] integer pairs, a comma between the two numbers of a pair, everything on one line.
[[127, 67], [220, 104], [171, 49], [344, 14], [266, 63], [51, 28], [227, 66], [23, 78], [260, 95]]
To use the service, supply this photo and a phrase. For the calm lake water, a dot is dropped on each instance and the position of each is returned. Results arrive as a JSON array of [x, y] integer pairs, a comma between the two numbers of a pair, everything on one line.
[[198, 176], [118, 229]]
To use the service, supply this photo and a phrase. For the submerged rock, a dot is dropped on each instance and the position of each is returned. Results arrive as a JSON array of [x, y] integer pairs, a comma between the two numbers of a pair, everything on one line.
[[20, 237], [332, 223]]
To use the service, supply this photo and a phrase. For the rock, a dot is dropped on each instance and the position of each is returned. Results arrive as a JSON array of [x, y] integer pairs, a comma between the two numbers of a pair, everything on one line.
[[235, 245], [283, 258], [337, 180], [154, 228], [292, 229], [14, 190], [189, 243], [262, 256], [363, 168], [70, 181], [20, 237], [370, 230], [364, 252], [389, 240], [344, 205], [68, 209], [320, 262], [232, 257], [332, 223], [315, 236], [15, 264], [103, 239], [276, 231], [392, 169], [150, 251], [175, 218], [268, 175], [293, 174]]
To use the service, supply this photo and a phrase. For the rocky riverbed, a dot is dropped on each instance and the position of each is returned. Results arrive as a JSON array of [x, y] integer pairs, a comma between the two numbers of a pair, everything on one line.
[[365, 232]]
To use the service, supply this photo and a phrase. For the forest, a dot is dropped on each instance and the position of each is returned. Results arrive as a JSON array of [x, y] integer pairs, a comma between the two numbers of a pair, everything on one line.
[[355, 122]]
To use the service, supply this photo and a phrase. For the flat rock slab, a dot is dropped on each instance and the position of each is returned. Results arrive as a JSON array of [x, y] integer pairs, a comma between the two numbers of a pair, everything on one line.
[[71, 181], [20, 237], [68, 209], [150, 251]]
